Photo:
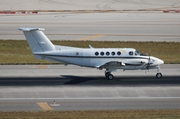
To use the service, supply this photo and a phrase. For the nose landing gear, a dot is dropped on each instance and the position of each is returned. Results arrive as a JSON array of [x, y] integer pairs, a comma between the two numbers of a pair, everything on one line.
[[158, 75]]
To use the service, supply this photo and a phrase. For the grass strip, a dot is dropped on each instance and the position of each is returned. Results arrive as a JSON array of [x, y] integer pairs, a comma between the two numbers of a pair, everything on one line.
[[96, 114], [18, 51]]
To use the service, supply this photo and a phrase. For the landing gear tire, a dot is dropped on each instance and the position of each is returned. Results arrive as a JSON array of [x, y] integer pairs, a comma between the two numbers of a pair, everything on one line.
[[158, 75], [110, 77], [107, 74]]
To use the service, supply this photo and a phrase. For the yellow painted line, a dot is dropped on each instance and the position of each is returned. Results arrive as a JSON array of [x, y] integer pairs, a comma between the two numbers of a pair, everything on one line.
[[42, 67], [44, 106], [91, 37]]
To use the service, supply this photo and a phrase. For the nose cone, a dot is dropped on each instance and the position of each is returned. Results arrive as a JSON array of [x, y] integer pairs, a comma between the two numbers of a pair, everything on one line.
[[157, 61], [160, 61]]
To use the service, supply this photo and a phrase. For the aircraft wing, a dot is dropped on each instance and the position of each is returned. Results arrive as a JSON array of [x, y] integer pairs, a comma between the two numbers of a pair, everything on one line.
[[113, 64]]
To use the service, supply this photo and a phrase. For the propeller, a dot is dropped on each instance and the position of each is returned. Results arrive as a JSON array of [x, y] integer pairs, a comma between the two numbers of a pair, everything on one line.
[[149, 60]]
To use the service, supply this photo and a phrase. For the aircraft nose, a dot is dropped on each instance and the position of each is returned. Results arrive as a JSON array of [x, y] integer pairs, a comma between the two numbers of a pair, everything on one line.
[[161, 61]]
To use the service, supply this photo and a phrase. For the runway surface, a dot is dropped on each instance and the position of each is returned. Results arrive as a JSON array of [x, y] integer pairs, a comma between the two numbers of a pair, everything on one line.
[[88, 4], [57, 87], [96, 26], [126, 26]]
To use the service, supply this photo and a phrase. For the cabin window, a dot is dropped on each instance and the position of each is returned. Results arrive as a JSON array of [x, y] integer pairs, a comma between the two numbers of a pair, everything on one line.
[[107, 53], [112, 53], [102, 53], [96, 53], [118, 53], [131, 53], [77, 53]]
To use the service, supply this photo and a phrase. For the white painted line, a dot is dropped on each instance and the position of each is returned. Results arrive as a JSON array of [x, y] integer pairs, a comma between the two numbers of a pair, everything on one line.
[[54, 105]]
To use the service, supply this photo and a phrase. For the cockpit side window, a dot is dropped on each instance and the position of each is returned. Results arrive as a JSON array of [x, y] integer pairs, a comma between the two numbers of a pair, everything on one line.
[[131, 53], [137, 53]]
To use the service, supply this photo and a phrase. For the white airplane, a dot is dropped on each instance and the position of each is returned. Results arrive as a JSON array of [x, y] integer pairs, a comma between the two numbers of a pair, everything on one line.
[[110, 59]]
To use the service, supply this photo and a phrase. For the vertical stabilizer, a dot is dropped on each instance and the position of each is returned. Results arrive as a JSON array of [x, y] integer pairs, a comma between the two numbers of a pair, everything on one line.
[[37, 40]]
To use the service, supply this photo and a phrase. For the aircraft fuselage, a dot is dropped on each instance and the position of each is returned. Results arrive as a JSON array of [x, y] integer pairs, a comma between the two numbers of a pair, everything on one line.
[[95, 57]]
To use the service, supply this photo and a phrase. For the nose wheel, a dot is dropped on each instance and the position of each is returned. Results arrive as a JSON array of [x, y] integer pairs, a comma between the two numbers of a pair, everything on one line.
[[109, 76], [158, 75]]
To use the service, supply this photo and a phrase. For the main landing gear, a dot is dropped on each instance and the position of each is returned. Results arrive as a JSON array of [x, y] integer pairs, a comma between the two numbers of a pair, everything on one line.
[[109, 75]]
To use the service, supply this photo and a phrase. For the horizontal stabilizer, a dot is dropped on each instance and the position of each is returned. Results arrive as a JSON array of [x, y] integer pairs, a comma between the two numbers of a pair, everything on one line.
[[30, 29]]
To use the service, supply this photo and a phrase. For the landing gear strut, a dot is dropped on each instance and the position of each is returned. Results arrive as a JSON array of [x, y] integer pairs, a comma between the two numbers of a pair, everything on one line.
[[109, 75]]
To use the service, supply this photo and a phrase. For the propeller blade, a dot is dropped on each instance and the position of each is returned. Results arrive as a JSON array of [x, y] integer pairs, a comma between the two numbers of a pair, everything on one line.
[[149, 60], [149, 54]]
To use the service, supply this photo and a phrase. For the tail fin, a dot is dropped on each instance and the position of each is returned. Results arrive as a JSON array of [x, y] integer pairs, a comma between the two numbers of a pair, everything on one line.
[[37, 40]]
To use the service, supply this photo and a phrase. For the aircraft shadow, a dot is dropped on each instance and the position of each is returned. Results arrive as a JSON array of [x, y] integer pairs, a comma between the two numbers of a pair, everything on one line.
[[89, 81]]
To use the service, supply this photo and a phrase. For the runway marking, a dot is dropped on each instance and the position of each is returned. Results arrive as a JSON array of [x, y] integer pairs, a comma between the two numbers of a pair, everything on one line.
[[42, 67], [91, 37], [44, 106]]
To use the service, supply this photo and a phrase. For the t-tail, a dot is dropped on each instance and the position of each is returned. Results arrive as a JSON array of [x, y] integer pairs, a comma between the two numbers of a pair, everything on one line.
[[37, 40]]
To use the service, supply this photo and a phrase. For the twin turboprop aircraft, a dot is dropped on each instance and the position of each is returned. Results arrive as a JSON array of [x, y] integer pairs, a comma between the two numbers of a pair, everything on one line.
[[109, 59]]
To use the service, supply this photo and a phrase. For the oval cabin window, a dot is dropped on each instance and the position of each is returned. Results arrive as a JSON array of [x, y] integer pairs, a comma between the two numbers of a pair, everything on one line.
[[118, 53], [113, 53], [107, 53], [96, 53], [102, 53]]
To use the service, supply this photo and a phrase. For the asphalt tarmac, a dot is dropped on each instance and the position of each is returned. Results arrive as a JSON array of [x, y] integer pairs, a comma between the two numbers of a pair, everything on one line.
[[87, 4], [96, 26], [52, 87], [147, 24]]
